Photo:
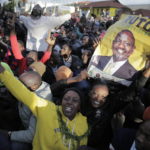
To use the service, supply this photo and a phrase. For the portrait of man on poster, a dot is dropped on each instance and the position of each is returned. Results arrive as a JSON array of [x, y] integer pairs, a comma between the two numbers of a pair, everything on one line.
[[118, 65]]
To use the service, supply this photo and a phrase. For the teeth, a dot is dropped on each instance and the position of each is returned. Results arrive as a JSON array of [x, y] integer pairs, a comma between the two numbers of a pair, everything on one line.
[[68, 109], [96, 102], [120, 51]]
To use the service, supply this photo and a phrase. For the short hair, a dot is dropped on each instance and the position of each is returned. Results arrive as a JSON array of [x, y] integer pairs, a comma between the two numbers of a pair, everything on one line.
[[34, 51], [86, 35], [75, 90], [100, 82], [128, 32], [80, 93], [35, 76], [69, 45]]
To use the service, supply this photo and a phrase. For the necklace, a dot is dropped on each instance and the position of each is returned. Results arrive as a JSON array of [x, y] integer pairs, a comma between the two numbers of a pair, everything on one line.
[[75, 139]]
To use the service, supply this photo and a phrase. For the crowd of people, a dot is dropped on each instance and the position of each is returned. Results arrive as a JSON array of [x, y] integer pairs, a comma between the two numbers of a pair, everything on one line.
[[47, 99]]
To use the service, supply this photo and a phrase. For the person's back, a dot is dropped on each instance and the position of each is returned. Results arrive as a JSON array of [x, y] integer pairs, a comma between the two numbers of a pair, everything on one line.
[[37, 32]]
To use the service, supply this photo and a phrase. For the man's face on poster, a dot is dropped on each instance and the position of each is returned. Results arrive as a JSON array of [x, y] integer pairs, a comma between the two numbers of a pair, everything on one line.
[[123, 45]]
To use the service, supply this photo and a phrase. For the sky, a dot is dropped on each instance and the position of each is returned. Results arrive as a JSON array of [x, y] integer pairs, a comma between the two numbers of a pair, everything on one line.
[[125, 2], [134, 2]]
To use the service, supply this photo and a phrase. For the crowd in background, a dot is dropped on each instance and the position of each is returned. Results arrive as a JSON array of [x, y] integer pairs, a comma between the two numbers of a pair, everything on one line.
[[78, 113]]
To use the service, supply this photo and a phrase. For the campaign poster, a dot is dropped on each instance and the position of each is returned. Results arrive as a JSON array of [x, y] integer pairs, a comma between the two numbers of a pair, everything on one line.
[[123, 50]]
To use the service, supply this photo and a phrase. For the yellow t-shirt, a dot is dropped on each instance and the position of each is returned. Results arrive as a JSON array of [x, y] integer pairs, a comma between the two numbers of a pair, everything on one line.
[[48, 134], [6, 66]]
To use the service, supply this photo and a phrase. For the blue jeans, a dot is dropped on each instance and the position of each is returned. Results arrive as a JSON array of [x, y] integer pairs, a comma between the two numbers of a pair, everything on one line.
[[6, 144]]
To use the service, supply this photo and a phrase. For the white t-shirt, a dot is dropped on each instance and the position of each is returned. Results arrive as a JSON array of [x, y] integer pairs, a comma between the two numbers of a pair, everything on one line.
[[38, 30]]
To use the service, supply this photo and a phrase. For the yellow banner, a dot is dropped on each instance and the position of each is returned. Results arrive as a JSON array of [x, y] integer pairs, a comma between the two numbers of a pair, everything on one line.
[[123, 50]]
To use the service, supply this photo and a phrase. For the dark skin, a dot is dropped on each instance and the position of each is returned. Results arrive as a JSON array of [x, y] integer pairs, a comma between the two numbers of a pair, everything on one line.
[[70, 108], [123, 45], [31, 80], [86, 55], [31, 57], [85, 40], [71, 104], [65, 52], [70, 101], [142, 141], [98, 95]]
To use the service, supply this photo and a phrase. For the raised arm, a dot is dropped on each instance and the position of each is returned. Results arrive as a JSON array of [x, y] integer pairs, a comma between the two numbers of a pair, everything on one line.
[[51, 42], [129, 95], [14, 45], [13, 40], [55, 21], [21, 92], [140, 81], [63, 83]]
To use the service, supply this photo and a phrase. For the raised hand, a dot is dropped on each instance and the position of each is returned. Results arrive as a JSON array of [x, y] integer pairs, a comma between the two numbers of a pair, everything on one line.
[[50, 39], [96, 41], [146, 73], [83, 75]]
